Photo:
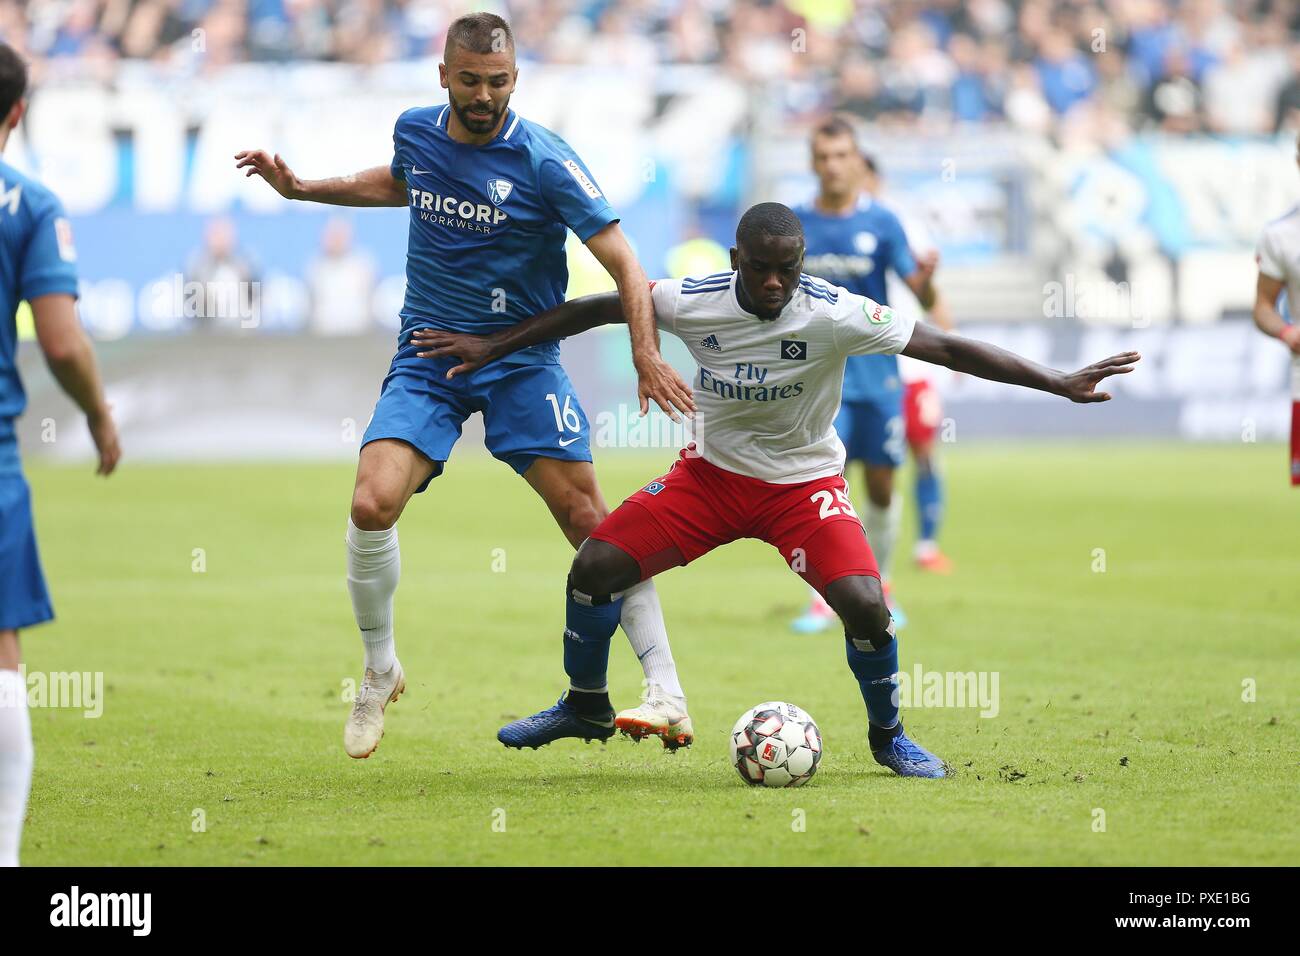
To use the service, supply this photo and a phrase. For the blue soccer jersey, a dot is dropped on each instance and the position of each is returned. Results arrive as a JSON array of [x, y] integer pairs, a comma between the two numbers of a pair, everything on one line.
[[488, 224], [36, 258], [854, 251]]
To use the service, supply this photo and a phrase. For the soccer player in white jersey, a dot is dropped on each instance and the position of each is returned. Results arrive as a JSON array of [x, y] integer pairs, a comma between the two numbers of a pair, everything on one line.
[[1278, 256], [765, 462]]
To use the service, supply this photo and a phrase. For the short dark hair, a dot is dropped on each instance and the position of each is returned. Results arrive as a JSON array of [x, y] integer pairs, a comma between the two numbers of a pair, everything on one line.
[[479, 33], [768, 219], [870, 162], [836, 125], [13, 79]]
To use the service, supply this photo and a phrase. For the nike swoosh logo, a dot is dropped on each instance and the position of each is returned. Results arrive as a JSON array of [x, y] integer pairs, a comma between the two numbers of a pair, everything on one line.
[[641, 657], [566, 442], [415, 171]]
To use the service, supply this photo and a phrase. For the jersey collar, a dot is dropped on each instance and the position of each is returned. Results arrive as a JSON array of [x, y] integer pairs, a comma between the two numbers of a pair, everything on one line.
[[507, 130]]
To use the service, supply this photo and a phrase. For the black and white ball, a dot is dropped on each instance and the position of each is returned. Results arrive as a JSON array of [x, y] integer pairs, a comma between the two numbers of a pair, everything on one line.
[[776, 745]]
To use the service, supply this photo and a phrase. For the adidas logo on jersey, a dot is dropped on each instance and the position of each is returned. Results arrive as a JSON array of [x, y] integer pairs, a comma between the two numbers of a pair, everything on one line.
[[710, 342]]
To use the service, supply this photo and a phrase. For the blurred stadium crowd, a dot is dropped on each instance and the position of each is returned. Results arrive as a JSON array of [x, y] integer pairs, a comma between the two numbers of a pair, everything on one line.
[[1182, 66]]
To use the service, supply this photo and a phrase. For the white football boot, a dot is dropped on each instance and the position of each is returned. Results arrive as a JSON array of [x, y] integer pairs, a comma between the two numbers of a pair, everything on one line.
[[659, 715], [365, 726]]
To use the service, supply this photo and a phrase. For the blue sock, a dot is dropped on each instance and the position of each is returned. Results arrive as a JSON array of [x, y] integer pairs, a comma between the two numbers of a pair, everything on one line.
[[875, 672], [587, 630], [929, 501]]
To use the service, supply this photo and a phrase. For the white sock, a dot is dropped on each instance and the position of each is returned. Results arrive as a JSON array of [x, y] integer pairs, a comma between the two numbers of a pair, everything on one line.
[[16, 757], [882, 531], [374, 567], [643, 623]]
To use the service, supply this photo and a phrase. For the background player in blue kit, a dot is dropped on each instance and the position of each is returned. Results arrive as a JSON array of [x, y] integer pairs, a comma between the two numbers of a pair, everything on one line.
[[37, 264], [852, 241], [491, 196]]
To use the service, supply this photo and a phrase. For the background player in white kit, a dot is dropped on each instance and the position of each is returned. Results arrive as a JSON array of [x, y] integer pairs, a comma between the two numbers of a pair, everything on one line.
[[1278, 255], [771, 345]]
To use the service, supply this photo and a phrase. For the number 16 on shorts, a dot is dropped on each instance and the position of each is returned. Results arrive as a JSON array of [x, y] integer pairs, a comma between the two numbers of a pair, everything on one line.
[[566, 418]]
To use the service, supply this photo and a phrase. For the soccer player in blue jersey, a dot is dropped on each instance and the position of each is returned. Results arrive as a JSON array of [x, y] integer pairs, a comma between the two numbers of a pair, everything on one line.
[[852, 242], [491, 197], [37, 264]]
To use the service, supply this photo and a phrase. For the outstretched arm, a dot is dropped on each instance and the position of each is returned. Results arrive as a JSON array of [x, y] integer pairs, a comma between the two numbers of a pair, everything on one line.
[[998, 365], [475, 351], [370, 187]]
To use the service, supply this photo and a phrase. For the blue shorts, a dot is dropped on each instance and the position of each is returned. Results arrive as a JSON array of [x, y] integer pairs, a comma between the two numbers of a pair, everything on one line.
[[24, 601], [873, 431], [529, 411]]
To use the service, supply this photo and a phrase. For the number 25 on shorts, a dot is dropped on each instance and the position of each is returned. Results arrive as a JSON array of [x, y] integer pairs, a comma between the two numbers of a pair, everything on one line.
[[827, 503]]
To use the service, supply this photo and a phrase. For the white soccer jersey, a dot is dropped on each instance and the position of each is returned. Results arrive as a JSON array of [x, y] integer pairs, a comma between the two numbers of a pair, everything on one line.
[[767, 392], [1278, 255]]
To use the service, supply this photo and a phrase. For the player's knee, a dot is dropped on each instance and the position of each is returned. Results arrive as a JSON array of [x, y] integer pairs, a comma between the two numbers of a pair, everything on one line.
[[372, 510], [582, 513], [600, 568], [860, 603]]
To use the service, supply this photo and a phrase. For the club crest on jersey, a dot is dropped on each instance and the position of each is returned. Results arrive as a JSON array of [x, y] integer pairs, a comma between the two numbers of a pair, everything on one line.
[[653, 488], [499, 190], [794, 350], [876, 313], [865, 243]]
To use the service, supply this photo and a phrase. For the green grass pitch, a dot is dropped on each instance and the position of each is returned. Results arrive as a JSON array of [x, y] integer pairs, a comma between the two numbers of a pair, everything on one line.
[[1121, 691]]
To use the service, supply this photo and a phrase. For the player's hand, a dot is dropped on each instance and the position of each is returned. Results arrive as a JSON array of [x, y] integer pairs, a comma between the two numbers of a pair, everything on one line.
[[1081, 386], [271, 168], [103, 432], [926, 264], [1291, 336], [659, 382], [474, 351]]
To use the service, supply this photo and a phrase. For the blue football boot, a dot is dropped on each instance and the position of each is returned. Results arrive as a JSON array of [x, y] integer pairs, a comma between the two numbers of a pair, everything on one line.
[[909, 759], [552, 724]]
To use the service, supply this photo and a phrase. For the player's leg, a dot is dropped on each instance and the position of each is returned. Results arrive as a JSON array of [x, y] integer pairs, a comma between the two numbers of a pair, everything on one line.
[[570, 490], [883, 449], [24, 602], [535, 423], [593, 603], [1295, 430], [819, 616], [669, 522], [388, 474], [922, 412], [16, 754], [871, 645], [821, 538], [416, 421]]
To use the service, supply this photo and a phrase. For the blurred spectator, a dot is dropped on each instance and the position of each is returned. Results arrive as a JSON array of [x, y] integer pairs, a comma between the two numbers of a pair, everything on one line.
[[1183, 66], [340, 281], [1241, 91], [1174, 102], [1287, 114], [221, 289]]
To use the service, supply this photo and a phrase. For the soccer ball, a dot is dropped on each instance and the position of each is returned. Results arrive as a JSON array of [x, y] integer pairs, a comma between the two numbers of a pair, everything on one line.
[[776, 745]]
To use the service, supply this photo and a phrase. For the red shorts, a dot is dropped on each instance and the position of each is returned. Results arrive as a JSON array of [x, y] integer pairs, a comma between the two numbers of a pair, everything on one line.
[[922, 412], [698, 506]]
